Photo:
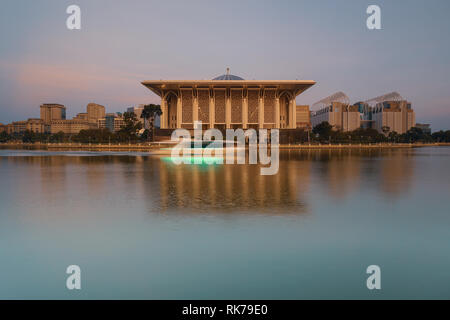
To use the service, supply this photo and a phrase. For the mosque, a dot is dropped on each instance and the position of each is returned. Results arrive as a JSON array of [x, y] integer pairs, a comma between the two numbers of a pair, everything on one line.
[[229, 102]]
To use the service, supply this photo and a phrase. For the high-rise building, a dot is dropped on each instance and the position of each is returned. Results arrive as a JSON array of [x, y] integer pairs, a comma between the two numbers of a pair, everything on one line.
[[337, 111], [95, 112], [57, 122], [52, 111], [112, 121], [392, 113], [81, 116]]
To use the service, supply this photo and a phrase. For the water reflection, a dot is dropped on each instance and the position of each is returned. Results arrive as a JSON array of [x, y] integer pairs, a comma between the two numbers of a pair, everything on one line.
[[342, 172], [133, 218], [235, 188], [163, 187]]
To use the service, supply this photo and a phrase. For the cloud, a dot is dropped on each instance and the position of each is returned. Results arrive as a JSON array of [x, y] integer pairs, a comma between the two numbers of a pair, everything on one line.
[[76, 85]]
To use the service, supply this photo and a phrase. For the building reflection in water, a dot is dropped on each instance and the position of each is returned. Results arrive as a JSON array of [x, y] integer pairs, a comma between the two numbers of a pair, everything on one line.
[[397, 172], [343, 172], [75, 184], [233, 188]]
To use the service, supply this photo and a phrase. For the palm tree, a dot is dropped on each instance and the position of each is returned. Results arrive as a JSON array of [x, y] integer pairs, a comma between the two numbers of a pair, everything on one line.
[[149, 113]]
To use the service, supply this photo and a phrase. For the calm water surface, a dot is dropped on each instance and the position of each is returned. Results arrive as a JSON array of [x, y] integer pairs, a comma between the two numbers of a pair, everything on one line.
[[142, 228]]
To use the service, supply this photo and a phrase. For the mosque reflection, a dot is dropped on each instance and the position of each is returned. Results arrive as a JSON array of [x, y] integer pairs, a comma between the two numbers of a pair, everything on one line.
[[162, 187], [235, 188]]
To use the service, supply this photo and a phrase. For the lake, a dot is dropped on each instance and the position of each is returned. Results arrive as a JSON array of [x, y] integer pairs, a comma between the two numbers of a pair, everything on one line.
[[141, 227]]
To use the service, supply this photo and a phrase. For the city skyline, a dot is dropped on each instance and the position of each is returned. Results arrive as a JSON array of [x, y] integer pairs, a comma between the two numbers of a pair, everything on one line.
[[121, 45]]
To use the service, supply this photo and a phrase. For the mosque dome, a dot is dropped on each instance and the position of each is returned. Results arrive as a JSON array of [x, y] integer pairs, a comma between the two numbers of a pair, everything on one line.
[[228, 76]]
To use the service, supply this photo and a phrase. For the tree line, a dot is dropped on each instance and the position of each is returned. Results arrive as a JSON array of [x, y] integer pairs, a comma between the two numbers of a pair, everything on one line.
[[322, 133]]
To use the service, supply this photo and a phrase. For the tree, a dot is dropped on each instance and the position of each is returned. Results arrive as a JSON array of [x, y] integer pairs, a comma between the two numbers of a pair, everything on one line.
[[145, 135], [148, 114], [324, 130], [4, 137], [441, 136], [28, 136], [57, 137], [416, 134], [131, 127], [93, 136], [393, 136]]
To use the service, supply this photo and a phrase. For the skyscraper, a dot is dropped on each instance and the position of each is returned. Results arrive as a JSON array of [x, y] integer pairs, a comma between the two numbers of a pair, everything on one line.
[[95, 112], [52, 111]]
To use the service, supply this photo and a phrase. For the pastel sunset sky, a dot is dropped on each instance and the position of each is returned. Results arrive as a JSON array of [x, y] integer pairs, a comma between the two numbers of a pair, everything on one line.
[[124, 42]]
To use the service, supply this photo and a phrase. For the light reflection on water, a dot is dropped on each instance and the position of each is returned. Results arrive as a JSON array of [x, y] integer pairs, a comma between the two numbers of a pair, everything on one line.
[[141, 227]]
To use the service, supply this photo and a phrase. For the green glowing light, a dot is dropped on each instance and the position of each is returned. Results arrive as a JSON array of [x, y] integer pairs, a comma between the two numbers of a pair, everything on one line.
[[195, 160]]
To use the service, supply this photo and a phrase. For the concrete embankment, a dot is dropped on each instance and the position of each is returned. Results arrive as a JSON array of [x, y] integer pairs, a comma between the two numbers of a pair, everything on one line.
[[362, 146], [155, 146]]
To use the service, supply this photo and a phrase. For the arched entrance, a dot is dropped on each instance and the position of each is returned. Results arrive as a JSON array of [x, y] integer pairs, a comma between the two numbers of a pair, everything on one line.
[[172, 102], [285, 99]]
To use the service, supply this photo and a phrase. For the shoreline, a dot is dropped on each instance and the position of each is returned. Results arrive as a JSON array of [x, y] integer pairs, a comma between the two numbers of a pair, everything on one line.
[[158, 146]]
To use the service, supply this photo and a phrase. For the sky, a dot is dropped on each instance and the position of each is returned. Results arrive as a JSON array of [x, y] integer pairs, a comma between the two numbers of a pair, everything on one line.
[[122, 43]]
